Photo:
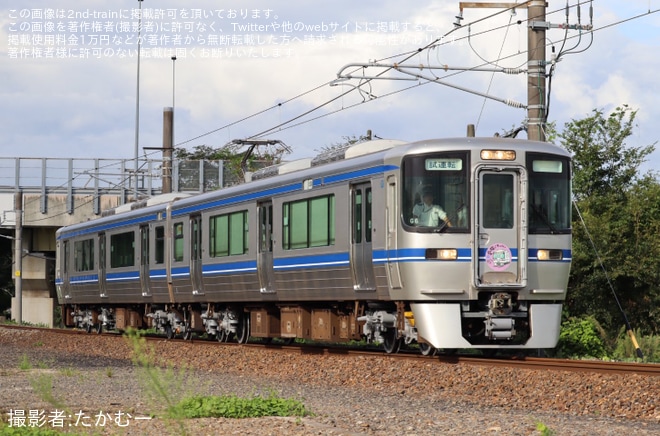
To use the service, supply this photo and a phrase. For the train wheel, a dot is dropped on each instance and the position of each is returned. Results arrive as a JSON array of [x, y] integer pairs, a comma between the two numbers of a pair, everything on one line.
[[243, 330], [391, 344], [426, 349], [169, 332], [222, 335], [99, 328], [187, 334], [88, 328]]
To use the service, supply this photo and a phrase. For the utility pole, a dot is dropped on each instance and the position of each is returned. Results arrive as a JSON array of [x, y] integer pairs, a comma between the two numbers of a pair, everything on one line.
[[136, 166], [168, 148], [18, 257], [536, 74]]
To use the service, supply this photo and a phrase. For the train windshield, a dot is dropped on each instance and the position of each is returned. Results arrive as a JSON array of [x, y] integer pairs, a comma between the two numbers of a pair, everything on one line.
[[435, 192], [549, 194]]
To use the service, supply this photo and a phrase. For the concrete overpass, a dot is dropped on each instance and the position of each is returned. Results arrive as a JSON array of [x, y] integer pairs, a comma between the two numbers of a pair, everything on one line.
[[48, 193]]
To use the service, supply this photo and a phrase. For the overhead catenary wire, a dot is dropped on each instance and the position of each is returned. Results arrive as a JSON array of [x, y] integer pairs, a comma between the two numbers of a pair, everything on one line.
[[437, 43], [446, 76], [492, 76], [408, 54]]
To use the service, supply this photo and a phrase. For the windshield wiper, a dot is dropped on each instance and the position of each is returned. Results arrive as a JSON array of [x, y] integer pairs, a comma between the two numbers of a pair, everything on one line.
[[544, 218]]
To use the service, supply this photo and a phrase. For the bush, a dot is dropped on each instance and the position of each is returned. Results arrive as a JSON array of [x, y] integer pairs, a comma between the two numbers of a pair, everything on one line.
[[581, 338], [650, 346], [235, 407]]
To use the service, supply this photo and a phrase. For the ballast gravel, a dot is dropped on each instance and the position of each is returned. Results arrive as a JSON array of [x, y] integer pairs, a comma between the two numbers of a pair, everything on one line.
[[88, 384]]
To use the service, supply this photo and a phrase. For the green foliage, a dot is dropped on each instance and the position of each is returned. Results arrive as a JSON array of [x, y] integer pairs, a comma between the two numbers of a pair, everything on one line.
[[6, 273], [58, 321], [620, 207], [543, 429], [235, 407], [24, 364], [163, 386], [5, 430], [625, 350], [235, 161], [159, 383], [68, 372], [43, 386], [603, 164], [581, 337]]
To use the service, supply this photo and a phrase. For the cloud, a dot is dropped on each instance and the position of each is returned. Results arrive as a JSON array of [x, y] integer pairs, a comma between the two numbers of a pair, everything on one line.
[[82, 107]]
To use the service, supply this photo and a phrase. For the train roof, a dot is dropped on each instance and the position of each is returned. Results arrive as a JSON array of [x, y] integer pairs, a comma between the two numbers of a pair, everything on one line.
[[362, 159], [475, 143]]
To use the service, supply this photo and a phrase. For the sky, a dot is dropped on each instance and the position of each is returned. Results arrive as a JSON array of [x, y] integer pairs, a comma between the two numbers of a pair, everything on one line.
[[69, 73]]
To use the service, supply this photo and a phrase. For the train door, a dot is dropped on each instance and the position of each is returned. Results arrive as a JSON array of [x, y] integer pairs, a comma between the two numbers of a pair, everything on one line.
[[196, 245], [392, 217], [65, 286], [102, 266], [502, 227], [144, 261], [361, 232], [265, 250]]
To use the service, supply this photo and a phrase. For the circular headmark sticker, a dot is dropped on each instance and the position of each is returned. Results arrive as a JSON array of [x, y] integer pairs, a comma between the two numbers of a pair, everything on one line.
[[498, 256]]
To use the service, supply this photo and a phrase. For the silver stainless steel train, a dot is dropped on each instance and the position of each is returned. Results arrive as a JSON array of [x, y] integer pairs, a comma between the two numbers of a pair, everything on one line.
[[341, 249]]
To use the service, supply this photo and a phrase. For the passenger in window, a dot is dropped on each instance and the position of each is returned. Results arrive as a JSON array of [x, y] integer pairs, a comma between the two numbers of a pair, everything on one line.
[[428, 214]]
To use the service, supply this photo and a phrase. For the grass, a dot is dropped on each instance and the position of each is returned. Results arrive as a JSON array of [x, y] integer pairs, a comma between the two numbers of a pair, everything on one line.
[[232, 406], [165, 386], [68, 371], [544, 430], [43, 386], [24, 364], [6, 430]]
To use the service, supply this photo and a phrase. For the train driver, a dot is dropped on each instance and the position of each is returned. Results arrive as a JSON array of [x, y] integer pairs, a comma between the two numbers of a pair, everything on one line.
[[428, 214]]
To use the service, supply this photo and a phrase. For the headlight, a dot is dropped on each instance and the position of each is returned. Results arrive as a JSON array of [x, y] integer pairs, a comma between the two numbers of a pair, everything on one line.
[[498, 155], [549, 255], [442, 253]]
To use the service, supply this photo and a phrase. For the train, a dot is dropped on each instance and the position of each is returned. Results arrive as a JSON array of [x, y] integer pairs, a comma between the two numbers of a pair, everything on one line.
[[444, 244]]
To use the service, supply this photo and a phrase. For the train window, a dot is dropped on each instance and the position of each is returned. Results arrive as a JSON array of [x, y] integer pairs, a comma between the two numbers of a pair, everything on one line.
[[122, 250], [367, 213], [309, 223], [357, 216], [178, 242], [498, 201], [549, 194], [159, 254], [65, 256], [435, 192], [228, 234], [83, 255]]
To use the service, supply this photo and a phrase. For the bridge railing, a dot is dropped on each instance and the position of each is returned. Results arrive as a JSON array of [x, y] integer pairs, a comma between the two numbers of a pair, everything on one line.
[[105, 177]]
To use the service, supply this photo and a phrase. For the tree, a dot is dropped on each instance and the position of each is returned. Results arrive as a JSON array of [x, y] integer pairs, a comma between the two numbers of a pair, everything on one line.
[[602, 164], [235, 163], [619, 207]]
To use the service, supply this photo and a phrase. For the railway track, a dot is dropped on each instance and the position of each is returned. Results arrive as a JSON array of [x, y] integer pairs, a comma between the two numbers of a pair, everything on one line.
[[518, 362]]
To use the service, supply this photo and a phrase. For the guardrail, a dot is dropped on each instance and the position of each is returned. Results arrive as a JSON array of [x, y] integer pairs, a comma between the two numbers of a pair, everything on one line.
[[105, 177]]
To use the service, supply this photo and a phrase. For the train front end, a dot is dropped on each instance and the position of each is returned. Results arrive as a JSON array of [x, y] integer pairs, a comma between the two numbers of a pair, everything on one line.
[[484, 242]]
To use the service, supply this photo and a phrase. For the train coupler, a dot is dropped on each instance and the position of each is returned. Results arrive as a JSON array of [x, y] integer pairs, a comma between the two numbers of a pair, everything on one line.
[[500, 328]]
